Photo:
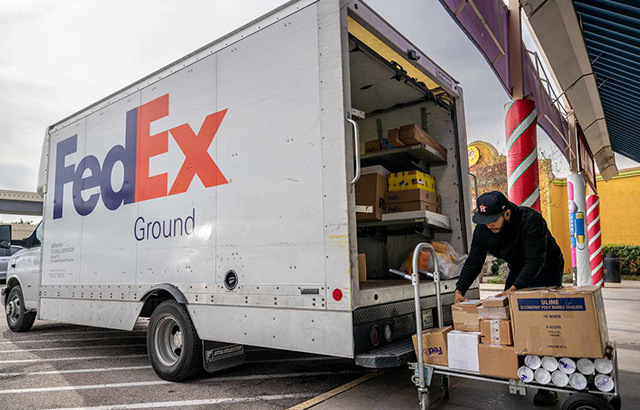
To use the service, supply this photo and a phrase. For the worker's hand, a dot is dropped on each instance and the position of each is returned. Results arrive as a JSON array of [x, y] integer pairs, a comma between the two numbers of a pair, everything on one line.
[[458, 297], [506, 292]]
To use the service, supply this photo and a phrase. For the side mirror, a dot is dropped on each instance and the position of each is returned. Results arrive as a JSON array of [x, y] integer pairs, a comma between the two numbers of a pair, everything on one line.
[[5, 236]]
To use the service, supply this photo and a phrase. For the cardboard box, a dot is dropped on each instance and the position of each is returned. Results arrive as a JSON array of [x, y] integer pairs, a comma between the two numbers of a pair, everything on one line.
[[465, 316], [567, 322], [411, 134], [463, 350], [393, 136], [371, 190], [498, 361], [496, 313], [497, 332], [413, 206], [434, 345], [403, 181], [494, 301], [373, 146], [362, 267], [424, 262], [413, 195]]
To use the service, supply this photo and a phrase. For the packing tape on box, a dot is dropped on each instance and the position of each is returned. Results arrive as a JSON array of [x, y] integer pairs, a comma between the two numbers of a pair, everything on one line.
[[495, 331]]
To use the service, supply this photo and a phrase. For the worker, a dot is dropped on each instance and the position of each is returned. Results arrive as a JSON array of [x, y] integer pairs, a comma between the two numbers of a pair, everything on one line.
[[518, 235]]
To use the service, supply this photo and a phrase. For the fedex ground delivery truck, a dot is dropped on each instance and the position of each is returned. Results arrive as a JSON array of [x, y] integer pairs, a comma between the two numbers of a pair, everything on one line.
[[216, 197]]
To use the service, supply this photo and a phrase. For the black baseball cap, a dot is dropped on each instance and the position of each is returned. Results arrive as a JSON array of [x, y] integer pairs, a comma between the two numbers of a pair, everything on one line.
[[490, 207]]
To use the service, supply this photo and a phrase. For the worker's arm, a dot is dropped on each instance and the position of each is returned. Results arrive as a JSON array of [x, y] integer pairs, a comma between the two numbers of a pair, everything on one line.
[[535, 251], [472, 266]]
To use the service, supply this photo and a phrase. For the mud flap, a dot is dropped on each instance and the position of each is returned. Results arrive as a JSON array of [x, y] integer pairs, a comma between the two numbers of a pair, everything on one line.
[[219, 356]]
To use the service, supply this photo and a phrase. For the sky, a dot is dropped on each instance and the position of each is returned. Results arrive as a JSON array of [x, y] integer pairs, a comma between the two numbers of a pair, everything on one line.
[[58, 57]]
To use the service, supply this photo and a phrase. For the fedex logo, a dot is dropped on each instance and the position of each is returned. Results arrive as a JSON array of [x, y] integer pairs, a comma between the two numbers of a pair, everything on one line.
[[138, 148]]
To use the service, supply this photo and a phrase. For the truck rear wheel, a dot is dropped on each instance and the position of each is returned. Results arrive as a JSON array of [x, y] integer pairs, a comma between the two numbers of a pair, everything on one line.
[[18, 318], [174, 347]]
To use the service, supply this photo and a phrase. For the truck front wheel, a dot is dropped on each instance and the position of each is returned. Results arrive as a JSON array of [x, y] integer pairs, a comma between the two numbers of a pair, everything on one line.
[[174, 347], [18, 318]]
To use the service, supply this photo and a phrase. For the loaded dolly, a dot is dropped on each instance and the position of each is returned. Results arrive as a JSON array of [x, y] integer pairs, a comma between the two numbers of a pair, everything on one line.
[[590, 399]]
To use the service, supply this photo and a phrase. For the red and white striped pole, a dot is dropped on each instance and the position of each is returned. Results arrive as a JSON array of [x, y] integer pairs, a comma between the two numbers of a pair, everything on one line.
[[596, 259], [522, 153]]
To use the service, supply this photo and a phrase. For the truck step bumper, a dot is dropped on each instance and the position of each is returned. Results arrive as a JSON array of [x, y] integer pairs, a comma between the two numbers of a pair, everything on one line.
[[392, 355]]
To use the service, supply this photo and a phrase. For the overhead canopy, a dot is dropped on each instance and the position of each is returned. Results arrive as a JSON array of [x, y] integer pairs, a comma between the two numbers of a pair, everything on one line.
[[611, 30]]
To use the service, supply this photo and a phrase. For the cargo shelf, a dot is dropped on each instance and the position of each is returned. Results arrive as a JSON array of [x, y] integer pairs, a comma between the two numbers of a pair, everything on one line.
[[405, 158], [426, 219]]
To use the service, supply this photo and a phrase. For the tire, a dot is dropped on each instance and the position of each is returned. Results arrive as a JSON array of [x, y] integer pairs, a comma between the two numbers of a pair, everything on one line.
[[18, 318], [173, 344], [585, 401]]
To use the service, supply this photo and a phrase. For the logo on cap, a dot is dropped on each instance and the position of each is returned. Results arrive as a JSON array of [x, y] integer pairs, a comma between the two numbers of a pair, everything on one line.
[[482, 208]]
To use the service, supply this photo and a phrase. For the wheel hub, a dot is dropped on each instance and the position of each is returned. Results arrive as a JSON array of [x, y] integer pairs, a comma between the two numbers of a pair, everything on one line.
[[168, 340], [13, 310], [177, 339]]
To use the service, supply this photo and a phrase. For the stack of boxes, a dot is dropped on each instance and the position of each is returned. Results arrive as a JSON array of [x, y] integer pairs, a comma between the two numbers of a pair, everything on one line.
[[407, 135], [481, 339], [412, 191]]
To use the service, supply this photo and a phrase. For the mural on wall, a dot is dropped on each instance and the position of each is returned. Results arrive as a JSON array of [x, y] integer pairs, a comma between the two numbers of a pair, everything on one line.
[[490, 169]]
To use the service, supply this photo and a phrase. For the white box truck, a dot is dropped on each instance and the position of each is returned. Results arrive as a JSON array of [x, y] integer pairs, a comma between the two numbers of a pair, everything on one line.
[[216, 196]]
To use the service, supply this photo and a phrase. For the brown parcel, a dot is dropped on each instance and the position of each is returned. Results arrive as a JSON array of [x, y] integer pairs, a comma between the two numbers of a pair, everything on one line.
[[495, 301], [372, 146], [561, 322], [496, 313], [413, 195], [498, 361], [371, 190], [393, 136], [362, 267], [496, 332], [411, 134], [465, 316], [434, 345], [413, 206]]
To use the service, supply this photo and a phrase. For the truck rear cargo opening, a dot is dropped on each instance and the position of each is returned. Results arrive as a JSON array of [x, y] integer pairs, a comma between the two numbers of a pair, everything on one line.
[[218, 196]]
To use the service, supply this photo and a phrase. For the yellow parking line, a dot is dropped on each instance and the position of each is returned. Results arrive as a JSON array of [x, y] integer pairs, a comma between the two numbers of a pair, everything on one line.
[[338, 390]]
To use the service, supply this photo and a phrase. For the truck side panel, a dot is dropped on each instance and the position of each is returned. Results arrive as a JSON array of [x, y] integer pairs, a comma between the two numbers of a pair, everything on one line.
[[230, 163]]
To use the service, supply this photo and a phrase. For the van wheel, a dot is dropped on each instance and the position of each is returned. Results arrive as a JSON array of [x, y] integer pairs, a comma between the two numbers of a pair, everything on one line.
[[18, 318], [585, 401], [174, 347]]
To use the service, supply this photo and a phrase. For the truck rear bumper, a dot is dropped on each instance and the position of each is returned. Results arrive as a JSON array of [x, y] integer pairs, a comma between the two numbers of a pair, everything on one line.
[[392, 355]]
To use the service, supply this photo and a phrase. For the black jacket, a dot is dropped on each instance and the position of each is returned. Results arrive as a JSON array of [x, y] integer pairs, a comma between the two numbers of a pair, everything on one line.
[[525, 243]]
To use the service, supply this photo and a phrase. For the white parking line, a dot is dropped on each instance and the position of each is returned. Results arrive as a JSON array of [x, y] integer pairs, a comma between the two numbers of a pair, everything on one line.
[[62, 359], [47, 372], [72, 340], [161, 382], [48, 349], [221, 400]]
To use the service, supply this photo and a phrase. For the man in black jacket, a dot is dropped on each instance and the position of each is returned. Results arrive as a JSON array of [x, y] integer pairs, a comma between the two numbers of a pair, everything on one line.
[[518, 235]]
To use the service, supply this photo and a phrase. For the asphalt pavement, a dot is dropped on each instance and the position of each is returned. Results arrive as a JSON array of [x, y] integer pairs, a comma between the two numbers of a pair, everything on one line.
[[60, 366]]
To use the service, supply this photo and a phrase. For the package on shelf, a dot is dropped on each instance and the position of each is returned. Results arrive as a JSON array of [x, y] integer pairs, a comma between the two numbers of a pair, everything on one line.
[[496, 332], [560, 322], [362, 267], [424, 262], [393, 136], [371, 190], [495, 301], [498, 313], [413, 206], [411, 195], [449, 261], [498, 361], [402, 181], [465, 316], [434, 345], [463, 350], [411, 134]]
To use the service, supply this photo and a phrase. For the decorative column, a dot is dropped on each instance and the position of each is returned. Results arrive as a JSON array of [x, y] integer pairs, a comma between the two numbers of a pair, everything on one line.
[[576, 192], [522, 153], [595, 240]]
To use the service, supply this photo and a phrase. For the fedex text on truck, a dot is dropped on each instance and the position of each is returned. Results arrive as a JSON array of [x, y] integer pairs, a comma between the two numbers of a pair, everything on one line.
[[139, 147]]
